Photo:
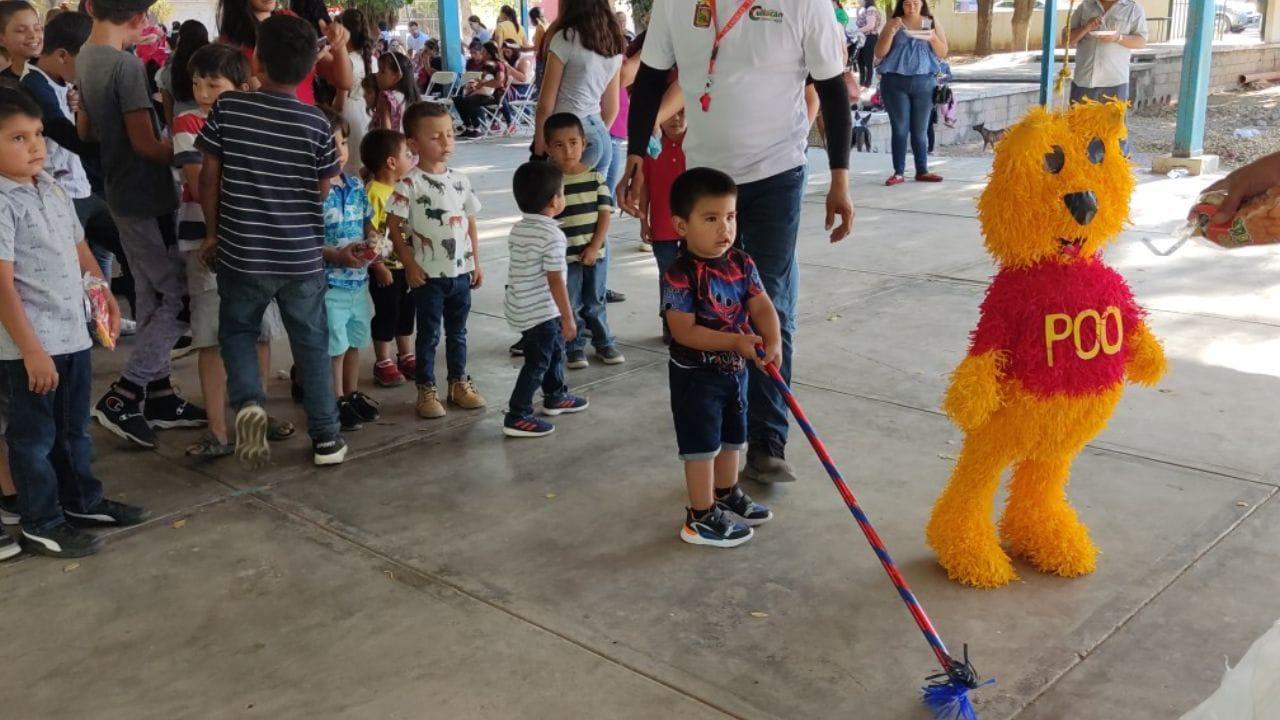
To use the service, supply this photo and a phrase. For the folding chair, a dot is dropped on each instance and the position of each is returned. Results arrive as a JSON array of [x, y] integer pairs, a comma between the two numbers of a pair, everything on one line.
[[492, 115], [523, 102]]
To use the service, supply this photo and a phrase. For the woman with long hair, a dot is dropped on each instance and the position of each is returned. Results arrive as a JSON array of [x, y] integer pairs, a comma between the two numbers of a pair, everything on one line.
[[478, 29], [910, 51], [584, 56], [518, 64], [870, 22], [351, 104], [486, 91], [508, 27], [238, 22], [175, 78]]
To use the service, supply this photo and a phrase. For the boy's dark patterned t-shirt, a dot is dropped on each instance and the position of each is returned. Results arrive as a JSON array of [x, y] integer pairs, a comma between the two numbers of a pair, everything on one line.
[[715, 291]]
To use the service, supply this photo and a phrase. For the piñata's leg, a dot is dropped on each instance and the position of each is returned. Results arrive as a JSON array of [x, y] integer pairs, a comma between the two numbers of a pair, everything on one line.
[[961, 530], [1039, 523]]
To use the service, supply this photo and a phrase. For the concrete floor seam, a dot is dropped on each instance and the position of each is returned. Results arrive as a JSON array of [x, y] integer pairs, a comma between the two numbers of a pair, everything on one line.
[[432, 578], [1101, 447], [1081, 657]]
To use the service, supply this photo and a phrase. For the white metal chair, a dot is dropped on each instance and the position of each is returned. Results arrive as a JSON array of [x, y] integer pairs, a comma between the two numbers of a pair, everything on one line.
[[523, 101]]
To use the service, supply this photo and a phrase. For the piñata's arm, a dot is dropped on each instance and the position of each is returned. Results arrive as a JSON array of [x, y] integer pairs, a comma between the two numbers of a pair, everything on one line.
[[1146, 364]]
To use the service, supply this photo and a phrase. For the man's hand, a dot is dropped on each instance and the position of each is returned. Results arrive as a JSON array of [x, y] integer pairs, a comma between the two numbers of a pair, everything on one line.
[[1093, 24], [568, 328], [631, 187], [414, 275], [590, 254], [381, 275], [42, 375], [745, 345], [1247, 182], [73, 99], [839, 205], [209, 252], [477, 278]]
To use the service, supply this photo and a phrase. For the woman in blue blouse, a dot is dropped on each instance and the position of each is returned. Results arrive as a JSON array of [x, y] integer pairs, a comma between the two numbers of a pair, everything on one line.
[[910, 51]]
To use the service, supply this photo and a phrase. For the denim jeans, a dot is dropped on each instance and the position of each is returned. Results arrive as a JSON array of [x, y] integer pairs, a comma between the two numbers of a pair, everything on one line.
[[768, 221], [244, 299], [617, 163], [444, 301], [543, 367], [586, 285], [50, 453], [99, 231], [598, 153], [908, 99]]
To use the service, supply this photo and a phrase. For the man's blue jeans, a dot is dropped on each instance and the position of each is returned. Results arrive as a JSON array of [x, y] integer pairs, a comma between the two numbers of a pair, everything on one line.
[[768, 221], [586, 297], [543, 367], [244, 298], [908, 99], [50, 453], [447, 302]]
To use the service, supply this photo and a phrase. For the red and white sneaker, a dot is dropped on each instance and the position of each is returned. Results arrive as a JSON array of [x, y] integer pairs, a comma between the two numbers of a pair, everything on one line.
[[386, 374], [527, 426], [408, 365]]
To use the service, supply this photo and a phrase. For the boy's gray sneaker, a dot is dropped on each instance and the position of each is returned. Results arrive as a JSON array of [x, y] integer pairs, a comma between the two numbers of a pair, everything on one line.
[[8, 548], [576, 360], [610, 356], [251, 436], [765, 468]]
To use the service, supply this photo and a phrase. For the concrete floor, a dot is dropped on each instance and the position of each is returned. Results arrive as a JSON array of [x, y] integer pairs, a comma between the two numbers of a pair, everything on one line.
[[445, 572]]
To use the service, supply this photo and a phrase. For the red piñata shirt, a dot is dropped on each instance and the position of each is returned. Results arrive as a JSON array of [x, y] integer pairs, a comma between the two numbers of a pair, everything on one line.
[[1064, 325]]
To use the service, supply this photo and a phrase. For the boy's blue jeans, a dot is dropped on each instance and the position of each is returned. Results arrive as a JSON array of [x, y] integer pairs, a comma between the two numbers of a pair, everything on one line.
[[244, 298], [768, 221], [586, 285], [50, 453], [444, 301], [543, 367]]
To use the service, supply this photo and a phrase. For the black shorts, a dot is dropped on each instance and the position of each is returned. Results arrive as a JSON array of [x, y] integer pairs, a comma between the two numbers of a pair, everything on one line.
[[710, 411]]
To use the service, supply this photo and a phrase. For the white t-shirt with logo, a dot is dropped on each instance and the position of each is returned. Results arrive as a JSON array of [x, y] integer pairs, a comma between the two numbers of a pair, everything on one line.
[[756, 126]]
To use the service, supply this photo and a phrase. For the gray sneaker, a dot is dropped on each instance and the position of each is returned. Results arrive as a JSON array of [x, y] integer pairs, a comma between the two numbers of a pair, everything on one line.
[[766, 469]]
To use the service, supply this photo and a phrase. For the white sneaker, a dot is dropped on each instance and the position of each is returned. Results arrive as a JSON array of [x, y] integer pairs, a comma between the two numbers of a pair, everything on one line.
[[128, 327]]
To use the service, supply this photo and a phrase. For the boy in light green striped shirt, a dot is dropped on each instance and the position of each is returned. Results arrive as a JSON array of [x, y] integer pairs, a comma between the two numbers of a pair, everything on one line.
[[585, 222]]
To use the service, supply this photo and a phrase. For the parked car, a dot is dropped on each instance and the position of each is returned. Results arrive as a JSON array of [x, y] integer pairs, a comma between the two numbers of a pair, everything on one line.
[[1238, 15]]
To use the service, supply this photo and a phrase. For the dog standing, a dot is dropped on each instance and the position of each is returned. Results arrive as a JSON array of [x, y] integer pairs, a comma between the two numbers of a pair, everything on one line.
[[861, 132], [989, 137]]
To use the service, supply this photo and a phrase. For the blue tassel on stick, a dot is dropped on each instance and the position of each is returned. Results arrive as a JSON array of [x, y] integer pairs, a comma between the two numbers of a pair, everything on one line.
[[949, 701]]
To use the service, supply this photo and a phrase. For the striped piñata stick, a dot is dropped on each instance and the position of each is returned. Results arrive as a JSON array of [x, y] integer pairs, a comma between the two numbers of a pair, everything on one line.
[[948, 693]]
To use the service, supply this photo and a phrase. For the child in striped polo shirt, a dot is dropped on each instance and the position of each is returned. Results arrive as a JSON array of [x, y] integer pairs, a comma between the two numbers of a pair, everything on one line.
[[585, 222]]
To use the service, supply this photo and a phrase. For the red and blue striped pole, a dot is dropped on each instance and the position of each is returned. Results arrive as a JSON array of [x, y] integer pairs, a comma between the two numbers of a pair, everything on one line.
[[948, 693]]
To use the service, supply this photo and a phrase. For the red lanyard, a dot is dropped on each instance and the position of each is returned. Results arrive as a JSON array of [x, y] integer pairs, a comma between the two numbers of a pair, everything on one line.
[[715, 46]]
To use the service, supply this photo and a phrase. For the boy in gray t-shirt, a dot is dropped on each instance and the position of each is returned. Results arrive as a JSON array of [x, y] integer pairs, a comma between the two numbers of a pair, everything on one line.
[[143, 198], [44, 346]]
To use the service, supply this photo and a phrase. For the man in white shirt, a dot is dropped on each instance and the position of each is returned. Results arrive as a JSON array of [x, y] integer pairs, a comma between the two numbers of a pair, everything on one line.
[[747, 118], [1105, 33], [416, 40]]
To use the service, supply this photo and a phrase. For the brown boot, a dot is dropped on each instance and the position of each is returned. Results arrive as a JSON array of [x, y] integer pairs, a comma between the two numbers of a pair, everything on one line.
[[429, 405], [463, 393]]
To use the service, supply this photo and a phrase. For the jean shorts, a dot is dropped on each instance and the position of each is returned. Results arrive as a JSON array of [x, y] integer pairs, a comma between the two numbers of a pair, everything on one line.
[[350, 313], [710, 411]]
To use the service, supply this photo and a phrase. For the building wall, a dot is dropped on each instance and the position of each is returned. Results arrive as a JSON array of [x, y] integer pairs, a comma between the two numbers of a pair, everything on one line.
[[962, 27], [203, 10]]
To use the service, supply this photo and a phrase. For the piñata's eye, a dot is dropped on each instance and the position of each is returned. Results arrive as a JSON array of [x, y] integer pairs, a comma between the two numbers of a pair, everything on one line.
[[1097, 151], [1055, 159]]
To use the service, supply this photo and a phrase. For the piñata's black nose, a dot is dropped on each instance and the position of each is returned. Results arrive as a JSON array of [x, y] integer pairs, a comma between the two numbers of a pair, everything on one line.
[[1082, 205]]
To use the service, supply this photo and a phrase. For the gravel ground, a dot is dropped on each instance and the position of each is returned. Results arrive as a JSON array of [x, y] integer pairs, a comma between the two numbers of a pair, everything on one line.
[[1151, 129]]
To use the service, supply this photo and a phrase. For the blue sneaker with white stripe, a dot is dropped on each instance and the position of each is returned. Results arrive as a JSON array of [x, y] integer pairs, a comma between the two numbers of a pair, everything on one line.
[[715, 528], [740, 505], [527, 426]]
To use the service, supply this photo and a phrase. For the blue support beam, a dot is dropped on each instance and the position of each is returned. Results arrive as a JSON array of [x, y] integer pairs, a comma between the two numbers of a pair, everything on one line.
[[524, 18], [1048, 44], [1193, 92], [451, 36]]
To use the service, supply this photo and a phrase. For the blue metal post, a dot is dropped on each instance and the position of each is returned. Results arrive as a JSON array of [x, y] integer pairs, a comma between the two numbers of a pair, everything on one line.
[[451, 36], [1193, 91], [524, 17], [1048, 45]]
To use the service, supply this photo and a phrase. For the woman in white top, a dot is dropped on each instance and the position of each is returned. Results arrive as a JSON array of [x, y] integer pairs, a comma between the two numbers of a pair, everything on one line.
[[352, 104], [584, 55]]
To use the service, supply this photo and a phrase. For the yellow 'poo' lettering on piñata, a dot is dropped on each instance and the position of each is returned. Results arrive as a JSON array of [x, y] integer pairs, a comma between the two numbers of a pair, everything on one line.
[[1059, 334]]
